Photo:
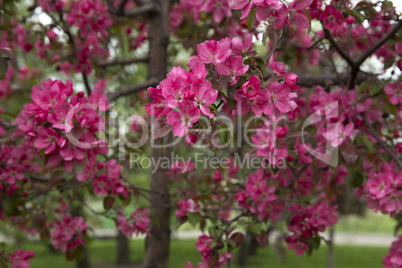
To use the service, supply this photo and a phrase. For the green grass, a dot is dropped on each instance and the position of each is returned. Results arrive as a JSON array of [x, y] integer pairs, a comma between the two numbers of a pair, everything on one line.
[[371, 223], [103, 252]]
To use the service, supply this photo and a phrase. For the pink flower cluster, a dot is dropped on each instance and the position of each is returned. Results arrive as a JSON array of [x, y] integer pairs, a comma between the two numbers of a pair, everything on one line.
[[259, 197], [91, 17], [204, 244], [138, 224], [218, 8], [307, 222], [19, 259], [186, 206], [64, 125], [394, 91], [275, 11], [189, 92], [67, 234], [383, 190], [106, 178], [180, 167], [394, 256], [17, 160]]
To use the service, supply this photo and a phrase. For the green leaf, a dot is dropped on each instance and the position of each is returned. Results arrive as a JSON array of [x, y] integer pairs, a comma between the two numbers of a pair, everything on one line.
[[315, 242], [261, 64], [212, 231], [251, 19], [356, 178], [389, 62], [255, 228], [231, 244], [355, 14], [363, 87], [223, 133], [368, 144], [194, 218], [9, 204], [3, 67], [108, 202], [374, 90], [305, 11]]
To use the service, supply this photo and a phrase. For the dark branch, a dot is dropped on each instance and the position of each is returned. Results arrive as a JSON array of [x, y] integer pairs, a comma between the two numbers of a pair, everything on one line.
[[381, 142], [278, 44], [123, 61], [120, 8], [326, 80], [86, 82], [342, 53], [139, 11], [133, 89], [379, 44]]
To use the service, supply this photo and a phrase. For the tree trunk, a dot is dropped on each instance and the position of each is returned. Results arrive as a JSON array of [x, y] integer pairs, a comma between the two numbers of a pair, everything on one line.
[[157, 244], [123, 249], [331, 249], [78, 212]]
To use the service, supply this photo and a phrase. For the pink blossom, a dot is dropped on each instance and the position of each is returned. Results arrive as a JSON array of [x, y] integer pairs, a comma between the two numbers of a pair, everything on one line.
[[66, 231], [159, 106], [102, 185], [281, 99], [257, 103], [197, 74], [51, 94], [339, 133], [174, 87], [219, 9], [266, 9], [297, 245], [293, 15], [394, 256], [20, 257], [332, 18], [186, 206], [278, 67], [205, 95], [183, 119], [394, 91], [204, 244], [233, 68], [244, 5], [213, 51], [252, 87], [179, 167], [239, 46], [136, 225], [48, 139]]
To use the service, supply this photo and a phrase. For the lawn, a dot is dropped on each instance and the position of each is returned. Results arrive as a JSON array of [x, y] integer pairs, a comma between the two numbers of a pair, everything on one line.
[[102, 254]]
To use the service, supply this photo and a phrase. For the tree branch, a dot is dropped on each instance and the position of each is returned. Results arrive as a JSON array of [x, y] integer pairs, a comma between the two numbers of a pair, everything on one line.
[[133, 89], [141, 10], [379, 44], [122, 61], [86, 82], [278, 44], [381, 142], [120, 8], [325, 80], [342, 53]]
